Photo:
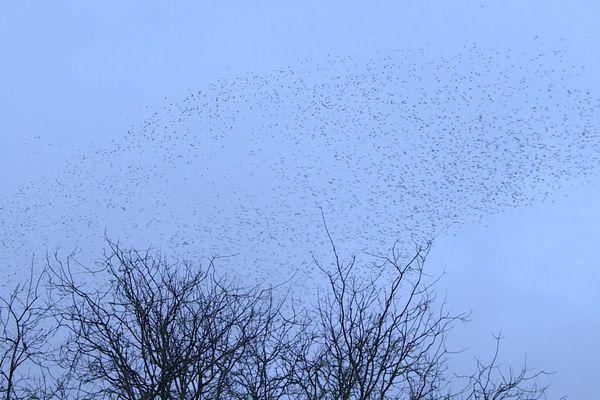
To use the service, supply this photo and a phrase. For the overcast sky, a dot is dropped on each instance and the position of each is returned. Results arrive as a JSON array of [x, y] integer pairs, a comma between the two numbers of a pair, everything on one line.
[[81, 83]]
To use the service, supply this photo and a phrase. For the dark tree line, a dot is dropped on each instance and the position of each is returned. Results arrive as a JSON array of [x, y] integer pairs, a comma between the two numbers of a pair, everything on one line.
[[145, 327]]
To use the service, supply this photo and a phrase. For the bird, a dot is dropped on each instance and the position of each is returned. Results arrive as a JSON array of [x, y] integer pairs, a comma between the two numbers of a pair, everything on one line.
[[391, 145]]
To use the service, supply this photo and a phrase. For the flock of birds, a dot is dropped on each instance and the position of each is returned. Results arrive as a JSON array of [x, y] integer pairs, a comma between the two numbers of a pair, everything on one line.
[[397, 145]]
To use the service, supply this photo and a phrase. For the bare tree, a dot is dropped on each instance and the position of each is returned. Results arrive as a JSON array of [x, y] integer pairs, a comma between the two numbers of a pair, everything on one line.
[[374, 338], [374, 341], [25, 334], [160, 330], [491, 382]]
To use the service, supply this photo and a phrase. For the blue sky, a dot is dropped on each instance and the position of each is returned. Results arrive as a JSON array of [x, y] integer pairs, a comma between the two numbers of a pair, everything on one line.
[[76, 77]]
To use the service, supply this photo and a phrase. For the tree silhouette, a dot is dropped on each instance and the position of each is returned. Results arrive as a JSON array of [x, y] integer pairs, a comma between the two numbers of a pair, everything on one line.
[[141, 326]]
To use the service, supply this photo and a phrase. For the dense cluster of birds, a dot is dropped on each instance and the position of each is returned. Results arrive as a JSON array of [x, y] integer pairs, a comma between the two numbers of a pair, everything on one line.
[[395, 145]]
